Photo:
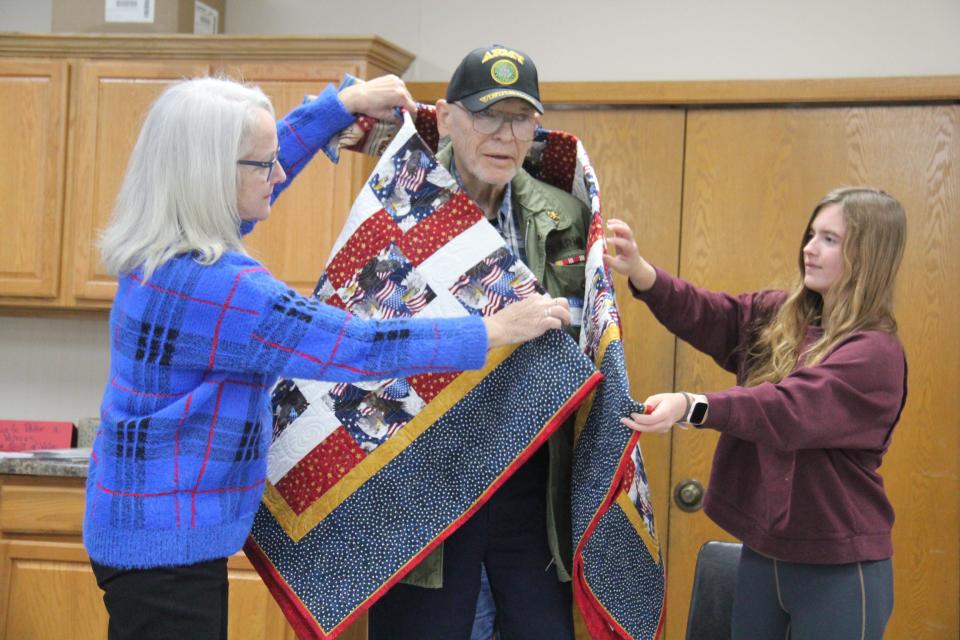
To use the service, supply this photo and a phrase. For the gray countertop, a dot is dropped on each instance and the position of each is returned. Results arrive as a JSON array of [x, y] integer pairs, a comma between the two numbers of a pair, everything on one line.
[[44, 467]]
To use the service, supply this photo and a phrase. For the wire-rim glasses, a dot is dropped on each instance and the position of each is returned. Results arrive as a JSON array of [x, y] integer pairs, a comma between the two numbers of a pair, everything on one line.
[[489, 122]]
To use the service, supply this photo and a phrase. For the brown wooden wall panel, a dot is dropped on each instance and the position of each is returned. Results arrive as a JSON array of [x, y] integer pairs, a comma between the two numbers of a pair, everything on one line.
[[674, 93], [752, 177]]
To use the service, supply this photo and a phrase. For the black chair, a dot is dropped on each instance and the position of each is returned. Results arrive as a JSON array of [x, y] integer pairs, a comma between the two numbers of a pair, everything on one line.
[[714, 581]]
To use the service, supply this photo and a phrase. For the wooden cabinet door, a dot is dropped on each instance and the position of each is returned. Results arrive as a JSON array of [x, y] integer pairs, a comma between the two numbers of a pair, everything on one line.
[[48, 591], [110, 101], [295, 242], [752, 177], [33, 115]]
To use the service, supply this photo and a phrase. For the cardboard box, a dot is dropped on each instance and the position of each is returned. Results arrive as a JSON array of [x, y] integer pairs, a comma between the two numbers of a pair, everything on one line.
[[169, 16]]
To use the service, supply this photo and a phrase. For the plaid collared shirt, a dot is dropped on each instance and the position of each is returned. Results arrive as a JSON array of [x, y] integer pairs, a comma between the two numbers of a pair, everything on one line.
[[507, 224]]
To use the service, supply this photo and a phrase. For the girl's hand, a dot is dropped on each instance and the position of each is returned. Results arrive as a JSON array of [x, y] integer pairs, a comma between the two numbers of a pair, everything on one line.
[[667, 410], [627, 259]]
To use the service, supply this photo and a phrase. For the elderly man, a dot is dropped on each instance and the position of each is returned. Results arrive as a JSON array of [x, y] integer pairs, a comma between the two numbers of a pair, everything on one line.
[[522, 535]]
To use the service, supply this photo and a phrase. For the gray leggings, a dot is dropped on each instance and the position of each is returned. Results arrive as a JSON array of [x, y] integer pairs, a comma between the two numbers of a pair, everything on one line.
[[787, 600]]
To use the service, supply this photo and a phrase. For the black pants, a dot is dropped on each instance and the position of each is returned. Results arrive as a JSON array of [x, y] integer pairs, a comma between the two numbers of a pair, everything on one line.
[[166, 603], [508, 535], [790, 600]]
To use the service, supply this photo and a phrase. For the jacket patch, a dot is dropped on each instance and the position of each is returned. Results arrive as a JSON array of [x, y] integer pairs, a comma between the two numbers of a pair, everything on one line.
[[571, 260]]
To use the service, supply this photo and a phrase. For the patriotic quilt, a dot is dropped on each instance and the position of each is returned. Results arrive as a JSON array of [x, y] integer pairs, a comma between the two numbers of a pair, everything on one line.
[[618, 572], [365, 480]]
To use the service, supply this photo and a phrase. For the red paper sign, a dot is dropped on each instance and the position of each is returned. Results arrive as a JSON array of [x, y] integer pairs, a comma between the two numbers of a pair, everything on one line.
[[27, 435]]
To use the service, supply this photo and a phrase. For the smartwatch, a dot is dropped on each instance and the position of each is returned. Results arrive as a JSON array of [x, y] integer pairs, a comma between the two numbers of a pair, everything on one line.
[[697, 407]]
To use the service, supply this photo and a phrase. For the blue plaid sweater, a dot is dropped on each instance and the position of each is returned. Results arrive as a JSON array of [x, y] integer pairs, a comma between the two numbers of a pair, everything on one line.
[[178, 465]]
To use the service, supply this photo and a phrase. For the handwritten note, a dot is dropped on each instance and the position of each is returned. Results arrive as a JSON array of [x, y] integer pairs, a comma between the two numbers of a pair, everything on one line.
[[27, 435]]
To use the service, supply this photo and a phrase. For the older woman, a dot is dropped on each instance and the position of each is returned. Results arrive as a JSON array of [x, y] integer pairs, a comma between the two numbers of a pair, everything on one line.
[[200, 331]]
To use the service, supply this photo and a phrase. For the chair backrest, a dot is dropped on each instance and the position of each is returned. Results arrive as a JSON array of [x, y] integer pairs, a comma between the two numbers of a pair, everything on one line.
[[714, 582]]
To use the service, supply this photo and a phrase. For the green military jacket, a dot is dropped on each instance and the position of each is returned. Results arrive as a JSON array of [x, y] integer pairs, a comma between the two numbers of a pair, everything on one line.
[[554, 226]]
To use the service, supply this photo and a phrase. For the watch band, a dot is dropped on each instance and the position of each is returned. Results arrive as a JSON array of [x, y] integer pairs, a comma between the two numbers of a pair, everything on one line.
[[695, 406], [686, 410]]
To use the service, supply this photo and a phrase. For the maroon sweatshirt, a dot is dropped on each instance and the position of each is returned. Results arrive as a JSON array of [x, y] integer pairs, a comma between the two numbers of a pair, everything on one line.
[[795, 474]]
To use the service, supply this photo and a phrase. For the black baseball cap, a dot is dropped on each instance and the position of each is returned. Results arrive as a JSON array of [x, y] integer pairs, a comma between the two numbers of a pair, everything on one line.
[[493, 74]]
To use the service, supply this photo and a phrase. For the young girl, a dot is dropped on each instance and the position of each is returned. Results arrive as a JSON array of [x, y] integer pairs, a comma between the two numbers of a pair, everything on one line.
[[821, 383], [200, 332]]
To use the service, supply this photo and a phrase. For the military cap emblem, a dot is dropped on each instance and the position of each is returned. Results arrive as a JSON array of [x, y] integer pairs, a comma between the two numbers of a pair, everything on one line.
[[504, 72]]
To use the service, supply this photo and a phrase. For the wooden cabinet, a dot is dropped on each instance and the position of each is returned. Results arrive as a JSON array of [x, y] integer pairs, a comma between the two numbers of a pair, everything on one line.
[[720, 196], [72, 108], [33, 120], [47, 589]]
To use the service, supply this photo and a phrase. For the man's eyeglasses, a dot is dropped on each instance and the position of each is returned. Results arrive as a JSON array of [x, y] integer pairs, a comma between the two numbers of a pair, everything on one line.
[[488, 122], [263, 164]]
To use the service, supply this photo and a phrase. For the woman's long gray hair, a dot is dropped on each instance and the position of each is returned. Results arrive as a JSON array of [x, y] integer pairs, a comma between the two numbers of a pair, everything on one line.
[[179, 193]]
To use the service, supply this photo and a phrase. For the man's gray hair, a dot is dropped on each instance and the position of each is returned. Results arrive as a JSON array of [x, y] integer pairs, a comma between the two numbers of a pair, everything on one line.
[[179, 193]]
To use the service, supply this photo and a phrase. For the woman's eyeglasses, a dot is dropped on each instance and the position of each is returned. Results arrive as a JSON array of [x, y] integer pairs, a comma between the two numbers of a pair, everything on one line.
[[262, 164]]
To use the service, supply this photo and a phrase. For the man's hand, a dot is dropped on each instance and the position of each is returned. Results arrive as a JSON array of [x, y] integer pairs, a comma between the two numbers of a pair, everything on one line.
[[378, 97]]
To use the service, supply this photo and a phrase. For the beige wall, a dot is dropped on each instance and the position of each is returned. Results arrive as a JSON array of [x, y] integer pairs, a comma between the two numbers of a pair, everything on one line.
[[56, 368], [644, 39], [26, 15], [53, 368], [626, 39]]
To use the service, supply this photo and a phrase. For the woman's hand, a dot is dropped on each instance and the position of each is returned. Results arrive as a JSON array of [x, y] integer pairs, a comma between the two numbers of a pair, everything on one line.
[[378, 97], [667, 410], [526, 320], [627, 259]]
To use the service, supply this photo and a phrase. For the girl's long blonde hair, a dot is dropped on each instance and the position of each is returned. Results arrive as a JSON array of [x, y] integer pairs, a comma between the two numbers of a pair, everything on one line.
[[863, 294]]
